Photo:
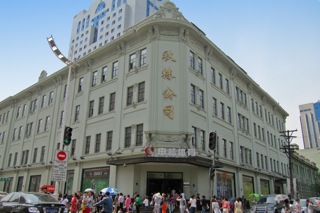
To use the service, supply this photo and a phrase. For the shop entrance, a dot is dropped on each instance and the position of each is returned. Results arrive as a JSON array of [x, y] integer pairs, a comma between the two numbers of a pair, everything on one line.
[[164, 182]]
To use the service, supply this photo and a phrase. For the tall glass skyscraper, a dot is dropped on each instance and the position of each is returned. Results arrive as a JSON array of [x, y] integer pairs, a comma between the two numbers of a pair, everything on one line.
[[310, 124]]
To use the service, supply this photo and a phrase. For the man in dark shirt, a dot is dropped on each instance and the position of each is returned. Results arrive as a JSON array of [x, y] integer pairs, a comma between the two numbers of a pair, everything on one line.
[[106, 203]]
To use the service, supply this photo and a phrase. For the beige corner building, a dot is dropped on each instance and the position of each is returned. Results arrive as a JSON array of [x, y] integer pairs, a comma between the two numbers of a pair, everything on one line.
[[141, 108]]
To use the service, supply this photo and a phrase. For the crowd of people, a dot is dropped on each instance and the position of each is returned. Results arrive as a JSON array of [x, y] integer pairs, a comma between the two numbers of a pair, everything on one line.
[[89, 202]]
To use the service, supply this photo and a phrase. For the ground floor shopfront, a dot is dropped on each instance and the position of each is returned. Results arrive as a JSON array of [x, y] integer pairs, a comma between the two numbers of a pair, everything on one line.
[[147, 177]]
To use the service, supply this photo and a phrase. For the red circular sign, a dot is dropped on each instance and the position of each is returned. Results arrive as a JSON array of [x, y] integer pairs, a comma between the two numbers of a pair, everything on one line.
[[61, 155]]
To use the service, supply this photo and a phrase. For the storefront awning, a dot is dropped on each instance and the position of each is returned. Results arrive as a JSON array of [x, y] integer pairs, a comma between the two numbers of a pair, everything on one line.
[[140, 160]]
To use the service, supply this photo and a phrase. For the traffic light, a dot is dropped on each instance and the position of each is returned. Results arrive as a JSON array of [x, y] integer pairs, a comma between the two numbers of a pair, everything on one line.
[[212, 140], [67, 136], [212, 173]]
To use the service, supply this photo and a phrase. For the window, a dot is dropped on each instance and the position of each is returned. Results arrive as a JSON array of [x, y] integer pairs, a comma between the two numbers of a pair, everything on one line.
[[220, 81], [20, 132], [46, 125], [61, 118], [15, 159], [202, 140], [77, 113], [143, 57], [43, 151], [65, 91], [224, 143], [94, 78], [231, 150], [115, 69], [98, 143], [229, 115], [14, 135], [132, 61], [200, 66], [24, 109], [87, 145], [194, 137], [213, 75], [101, 105], [18, 112], [192, 60], [127, 139], [50, 101], [139, 135], [129, 96], [29, 129], [33, 106], [141, 91], [214, 106], [80, 86], [35, 153], [91, 107], [39, 125], [43, 100], [201, 99], [227, 86], [258, 161], [112, 101], [104, 74], [9, 160], [222, 110], [73, 146], [193, 94], [109, 141]]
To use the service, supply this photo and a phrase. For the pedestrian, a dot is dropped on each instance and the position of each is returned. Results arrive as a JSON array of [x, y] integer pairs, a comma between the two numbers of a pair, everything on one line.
[[193, 204], [215, 205], [120, 202], [128, 203], [204, 204], [74, 203], [106, 203], [146, 203], [138, 203], [182, 203], [65, 201], [238, 206], [164, 206]]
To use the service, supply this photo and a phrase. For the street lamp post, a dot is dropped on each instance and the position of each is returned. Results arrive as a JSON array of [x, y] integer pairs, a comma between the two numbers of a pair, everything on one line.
[[65, 121], [288, 149]]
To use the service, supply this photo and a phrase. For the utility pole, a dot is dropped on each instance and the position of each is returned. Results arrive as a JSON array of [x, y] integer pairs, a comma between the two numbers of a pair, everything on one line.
[[288, 149]]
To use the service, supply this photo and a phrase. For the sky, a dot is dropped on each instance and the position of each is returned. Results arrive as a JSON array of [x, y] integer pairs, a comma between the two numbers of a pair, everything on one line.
[[277, 42]]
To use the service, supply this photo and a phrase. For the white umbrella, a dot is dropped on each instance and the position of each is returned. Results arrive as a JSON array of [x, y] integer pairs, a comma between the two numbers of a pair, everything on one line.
[[89, 190], [281, 197]]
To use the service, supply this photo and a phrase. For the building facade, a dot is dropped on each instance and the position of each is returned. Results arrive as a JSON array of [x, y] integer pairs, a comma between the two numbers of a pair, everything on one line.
[[309, 119], [142, 108], [305, 175], [105, 21]]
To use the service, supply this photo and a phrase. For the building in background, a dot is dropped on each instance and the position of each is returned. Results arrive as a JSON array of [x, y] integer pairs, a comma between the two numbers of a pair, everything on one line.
[[310, 125], [105, 21], [142, 108]]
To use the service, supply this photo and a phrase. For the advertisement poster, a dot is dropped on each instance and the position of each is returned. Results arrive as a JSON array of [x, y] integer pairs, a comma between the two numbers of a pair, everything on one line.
[[225, 184], [95, 178]]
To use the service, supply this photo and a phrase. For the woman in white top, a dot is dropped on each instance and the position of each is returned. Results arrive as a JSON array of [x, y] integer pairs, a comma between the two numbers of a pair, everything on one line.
[[182, 203], [215, 206], [193, 204], [311, 206]]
